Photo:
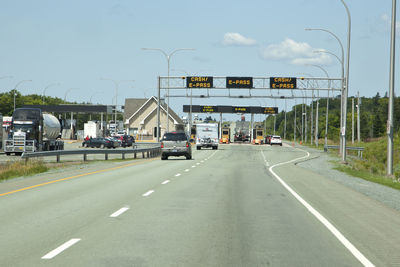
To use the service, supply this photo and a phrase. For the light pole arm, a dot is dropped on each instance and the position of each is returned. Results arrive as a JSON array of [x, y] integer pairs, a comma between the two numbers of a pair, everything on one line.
[[331, 33]]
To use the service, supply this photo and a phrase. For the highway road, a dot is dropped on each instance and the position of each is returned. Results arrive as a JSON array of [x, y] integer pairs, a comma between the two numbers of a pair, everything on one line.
[[241, 205]]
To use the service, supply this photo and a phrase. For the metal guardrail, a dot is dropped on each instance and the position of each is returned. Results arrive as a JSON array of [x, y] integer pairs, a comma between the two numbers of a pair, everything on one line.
[[151, 151], [354, 148]]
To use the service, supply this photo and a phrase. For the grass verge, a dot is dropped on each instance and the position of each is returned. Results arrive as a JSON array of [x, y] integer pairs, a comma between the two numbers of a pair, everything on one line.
[[367, 175], [20, 168]]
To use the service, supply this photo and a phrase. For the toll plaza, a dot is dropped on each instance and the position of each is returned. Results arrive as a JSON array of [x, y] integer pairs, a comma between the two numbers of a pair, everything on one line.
[[232, 109]]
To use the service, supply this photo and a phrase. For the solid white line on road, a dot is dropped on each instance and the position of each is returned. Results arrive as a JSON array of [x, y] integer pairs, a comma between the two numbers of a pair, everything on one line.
[[148, 193], [165, 182], [178, 174], [61, 248], [119, 212], [353, 250], [186, 170]]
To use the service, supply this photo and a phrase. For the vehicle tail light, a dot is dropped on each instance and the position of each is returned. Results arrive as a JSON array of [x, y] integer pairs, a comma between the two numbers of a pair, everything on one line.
[[162, 145], [187, 144], [107, 141]]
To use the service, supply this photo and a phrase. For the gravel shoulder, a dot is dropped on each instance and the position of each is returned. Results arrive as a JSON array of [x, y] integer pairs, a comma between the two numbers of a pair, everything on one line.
[[323, 164]]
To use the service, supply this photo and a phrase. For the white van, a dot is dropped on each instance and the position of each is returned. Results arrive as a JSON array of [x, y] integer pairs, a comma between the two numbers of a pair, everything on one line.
[[207, 135]]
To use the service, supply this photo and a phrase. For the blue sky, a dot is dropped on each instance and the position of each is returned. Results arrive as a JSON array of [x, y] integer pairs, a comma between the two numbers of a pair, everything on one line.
[[75, 43]]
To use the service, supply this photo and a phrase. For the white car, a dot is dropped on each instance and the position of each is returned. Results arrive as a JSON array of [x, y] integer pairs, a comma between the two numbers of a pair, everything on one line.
[[276, 140]]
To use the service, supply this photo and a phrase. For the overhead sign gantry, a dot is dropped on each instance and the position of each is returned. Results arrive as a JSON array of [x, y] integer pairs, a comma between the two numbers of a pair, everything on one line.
[[230, 109]]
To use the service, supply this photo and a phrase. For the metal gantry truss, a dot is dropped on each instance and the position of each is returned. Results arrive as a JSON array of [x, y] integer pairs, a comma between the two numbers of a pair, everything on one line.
[[306, 88]]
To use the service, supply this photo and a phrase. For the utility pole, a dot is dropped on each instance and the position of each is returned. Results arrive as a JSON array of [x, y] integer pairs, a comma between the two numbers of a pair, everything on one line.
[[358, 118], [352, 120], [295, 117], [316, 124], [391, 92], [305, 124], [312, 119], [284, 131]]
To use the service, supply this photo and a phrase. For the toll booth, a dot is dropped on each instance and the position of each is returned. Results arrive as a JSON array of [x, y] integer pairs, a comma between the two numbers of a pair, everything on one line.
[[258, 136], [225, 136]]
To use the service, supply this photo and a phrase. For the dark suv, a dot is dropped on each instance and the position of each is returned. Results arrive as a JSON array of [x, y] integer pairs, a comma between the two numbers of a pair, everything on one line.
[[98, 142], [175, 144]]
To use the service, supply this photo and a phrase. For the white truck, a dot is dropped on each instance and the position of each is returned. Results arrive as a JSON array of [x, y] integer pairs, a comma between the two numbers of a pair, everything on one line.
[[92, 129], [207, 135]]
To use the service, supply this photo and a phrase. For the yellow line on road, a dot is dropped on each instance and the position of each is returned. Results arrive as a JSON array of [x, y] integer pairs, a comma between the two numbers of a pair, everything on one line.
[[75, 176]]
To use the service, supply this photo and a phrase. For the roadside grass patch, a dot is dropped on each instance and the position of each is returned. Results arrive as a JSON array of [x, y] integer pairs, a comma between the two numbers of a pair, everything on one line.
[[368, 175], [20, 168]]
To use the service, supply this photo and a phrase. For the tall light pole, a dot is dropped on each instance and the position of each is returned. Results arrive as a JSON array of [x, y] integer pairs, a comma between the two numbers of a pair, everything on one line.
[[15, 88], [116, 83], [66, 92], [44, 91], [95, 93], [342, 93], [168, 57], [391, 92], [346, 88], [327, 106]]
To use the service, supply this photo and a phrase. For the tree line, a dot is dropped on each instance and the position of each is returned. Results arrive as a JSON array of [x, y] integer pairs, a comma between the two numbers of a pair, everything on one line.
[[373, 118]]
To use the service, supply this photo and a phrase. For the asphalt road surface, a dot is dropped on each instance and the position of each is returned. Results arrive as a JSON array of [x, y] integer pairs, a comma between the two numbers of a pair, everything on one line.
[[237, 206]]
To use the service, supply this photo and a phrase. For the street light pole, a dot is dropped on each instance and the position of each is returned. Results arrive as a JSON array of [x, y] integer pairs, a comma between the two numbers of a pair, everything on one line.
[[327, 105], [15, 88], [116, 83], [346, 89], [391, 92], [44, 91], [342, 61], [168, 57]]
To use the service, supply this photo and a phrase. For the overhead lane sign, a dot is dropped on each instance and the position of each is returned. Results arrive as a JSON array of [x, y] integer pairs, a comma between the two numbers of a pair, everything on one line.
[[199, 82], [282, 83], [230, 109], [239, 82]]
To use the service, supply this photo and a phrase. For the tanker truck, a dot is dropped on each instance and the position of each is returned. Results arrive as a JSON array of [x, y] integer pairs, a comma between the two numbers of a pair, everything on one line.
[[31, 130]]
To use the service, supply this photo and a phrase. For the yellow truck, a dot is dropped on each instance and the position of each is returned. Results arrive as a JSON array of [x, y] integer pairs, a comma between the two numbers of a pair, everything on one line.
[[258, 136]]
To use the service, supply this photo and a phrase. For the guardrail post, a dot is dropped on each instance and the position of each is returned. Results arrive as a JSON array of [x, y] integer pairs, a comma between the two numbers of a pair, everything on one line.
[[134, 155], [123, 155], [143, 155], [106, 156], [148, 154], [26, 160], [85, 157], [58, 158]]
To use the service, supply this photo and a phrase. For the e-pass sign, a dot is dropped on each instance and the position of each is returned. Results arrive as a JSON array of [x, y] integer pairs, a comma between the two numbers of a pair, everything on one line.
[[199, 82], [239, 82], [282, 83]]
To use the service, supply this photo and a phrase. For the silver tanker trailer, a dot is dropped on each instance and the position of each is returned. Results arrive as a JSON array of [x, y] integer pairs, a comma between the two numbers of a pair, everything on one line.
[[32, 130]]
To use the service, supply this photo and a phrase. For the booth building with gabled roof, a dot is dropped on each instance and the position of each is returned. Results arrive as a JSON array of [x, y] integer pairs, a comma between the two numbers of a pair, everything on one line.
[[140, 118]]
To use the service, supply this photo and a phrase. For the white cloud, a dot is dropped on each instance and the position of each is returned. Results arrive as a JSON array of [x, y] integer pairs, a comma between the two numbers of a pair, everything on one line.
[[295, 53], [236, 39]]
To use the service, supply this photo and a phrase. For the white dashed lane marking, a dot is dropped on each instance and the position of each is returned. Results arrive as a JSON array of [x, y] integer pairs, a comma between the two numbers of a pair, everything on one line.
[[61, 248], [119, 212], [148, 193]]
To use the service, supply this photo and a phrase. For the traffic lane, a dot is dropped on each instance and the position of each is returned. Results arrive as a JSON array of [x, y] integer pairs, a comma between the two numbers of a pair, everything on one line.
[[48, 214], [66, 169], [223, 213], [370, 225]]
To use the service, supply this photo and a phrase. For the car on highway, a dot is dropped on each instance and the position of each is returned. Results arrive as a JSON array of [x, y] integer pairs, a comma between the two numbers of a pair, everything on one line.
[[276, 140], [99, 142], [175, 144]]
